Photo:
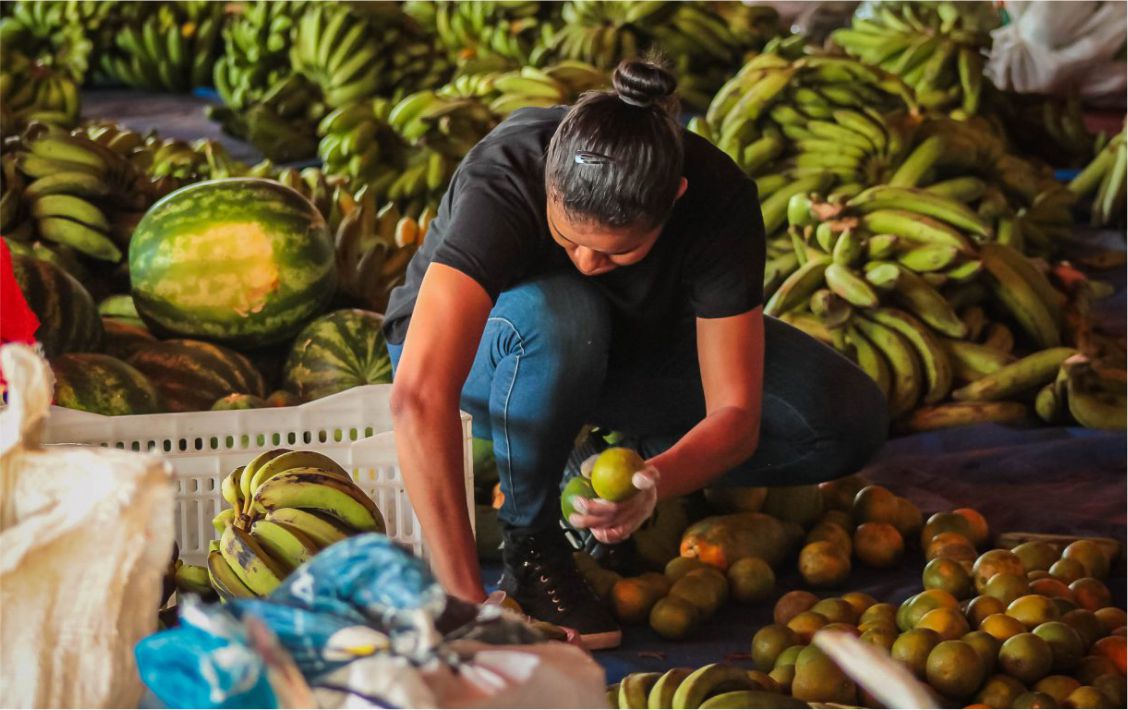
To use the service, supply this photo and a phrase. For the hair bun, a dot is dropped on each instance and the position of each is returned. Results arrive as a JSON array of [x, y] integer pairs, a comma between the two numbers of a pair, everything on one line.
[[644, 83]]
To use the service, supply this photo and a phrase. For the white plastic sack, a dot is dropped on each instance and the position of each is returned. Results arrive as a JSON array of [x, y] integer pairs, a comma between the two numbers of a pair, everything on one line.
[[1061, 48], [85, 537]]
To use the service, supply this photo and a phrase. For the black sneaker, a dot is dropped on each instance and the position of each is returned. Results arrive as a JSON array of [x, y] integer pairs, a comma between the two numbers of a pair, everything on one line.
[[540, 575]]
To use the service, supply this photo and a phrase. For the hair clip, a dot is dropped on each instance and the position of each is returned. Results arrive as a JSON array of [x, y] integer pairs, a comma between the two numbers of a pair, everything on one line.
[[586, 157]]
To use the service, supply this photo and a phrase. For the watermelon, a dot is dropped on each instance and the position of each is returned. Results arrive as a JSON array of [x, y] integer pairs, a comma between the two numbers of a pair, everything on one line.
[[239, 401], [123, 339], [120, 307], [242, 261], [282, 398], [103, 384], [337, 351], [68, 319], [191, 374]]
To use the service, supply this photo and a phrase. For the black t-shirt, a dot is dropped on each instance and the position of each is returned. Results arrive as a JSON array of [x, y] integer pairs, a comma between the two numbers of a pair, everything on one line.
[[491, 225]]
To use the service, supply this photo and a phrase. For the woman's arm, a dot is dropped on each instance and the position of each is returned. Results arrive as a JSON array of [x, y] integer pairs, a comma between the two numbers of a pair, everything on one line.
[[730, 352], [442, 340]]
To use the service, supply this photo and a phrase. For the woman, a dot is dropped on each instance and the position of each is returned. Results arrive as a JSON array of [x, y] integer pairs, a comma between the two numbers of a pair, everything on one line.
[[600, 265]]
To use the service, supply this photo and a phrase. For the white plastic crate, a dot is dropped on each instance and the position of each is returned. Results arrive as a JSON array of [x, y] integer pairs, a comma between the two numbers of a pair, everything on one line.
[[353, 427]]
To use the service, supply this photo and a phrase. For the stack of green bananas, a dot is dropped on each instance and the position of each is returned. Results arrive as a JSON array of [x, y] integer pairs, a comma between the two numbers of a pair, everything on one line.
[[357, 52], [1049, 128], [509, 29], [717, 685], [286, 506], [602, 33], [937, 48], [30, 91], [559, 83], [256, 55], [358, 143], [1104, 179], [80, 193], [281, 123], [15, 220], [42, 32], [172, 48], [320, 188], [1083, 392]]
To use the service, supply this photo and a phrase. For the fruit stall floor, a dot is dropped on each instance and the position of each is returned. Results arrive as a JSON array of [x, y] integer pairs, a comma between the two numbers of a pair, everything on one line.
[[1049, 480]]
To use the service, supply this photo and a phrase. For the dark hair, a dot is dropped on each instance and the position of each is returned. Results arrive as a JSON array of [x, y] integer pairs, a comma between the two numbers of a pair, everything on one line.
[[616, 158]]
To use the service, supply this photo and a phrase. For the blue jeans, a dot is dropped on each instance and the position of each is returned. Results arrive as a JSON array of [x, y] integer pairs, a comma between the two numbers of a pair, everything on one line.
[[548, 364]]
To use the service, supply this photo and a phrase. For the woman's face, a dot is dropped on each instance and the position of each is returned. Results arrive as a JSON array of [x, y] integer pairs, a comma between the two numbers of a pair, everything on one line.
[[595, 249]]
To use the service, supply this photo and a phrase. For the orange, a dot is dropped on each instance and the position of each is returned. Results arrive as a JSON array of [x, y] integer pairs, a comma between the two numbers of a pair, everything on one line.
[[875, 504], [883, 637], [878, 545], [952, 546], [995, 562], [1032, 610], [578, 487], [999, 691], [1034, 700], [818, 679], [1065, 605], [1085, 623], [980, 534], [660, 582], [673, 618], [983, 606], [1052, 588], [751, 580], [1112, 648], [839, 494], [699, 591], [946, 523], [836, 610], [1002, 627], [1007, 587], [949, 575], [860, 601], [915, 607], [1092, 667], [841, 518], [783, 676], [792, 603], [1090, 555], [1111, 618], [1057, 687], [1113, 686], [1065, 644], [1036, 574], [835, 534], [712, 575], [912, 648], [612, 472], [1027, 657], [1067, 570], [1036, 555], [955, 669], [1090, 593], [806, 624], [789, 655], [986, 645], [769, 642], [822, 564], [950, 624], [679, 566], [1087, 697], [882, 611], [841, 627], [632, 598], [909, 520]]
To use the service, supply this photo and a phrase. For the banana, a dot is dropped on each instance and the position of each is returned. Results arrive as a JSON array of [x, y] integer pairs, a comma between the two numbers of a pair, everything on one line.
[[251, 563], [67, 149], [285, 544], [832, 310], [798, 287], [635, 688], [870, 360], [881, 246], [1021, 299], [833, 132], [973, 361], [915, 227], [864, 126], [712, 679], [851, 287], [810, 325], [848, 249], [956, 414], [1090, 406], [226, 583], [922, 202], [225, 517], [193, 579], [285, 460], [774, 208], [965, 189], [70, 207], [905, 369], [1047, 405], [919, 162], [321, 492], [926, 303], [82, 238], [999, 337], [231, 490], [662, 693], [975, 320], [246, 490], [751, 699], [937, 366], [928, 258], [1017, 377], [320, 530]]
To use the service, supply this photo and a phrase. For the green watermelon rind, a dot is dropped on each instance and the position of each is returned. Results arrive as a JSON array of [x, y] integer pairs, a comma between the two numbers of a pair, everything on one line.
[[239, 401], [102, 384], [192, 374], [336, 352], [68, 319], [166, 250]]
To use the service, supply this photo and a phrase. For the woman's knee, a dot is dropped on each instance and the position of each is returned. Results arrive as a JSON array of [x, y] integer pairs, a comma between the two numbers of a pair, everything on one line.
[[560, 312]]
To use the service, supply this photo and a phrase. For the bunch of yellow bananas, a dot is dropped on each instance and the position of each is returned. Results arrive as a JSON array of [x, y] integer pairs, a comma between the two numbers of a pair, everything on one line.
[[286, 506], [716, 685]]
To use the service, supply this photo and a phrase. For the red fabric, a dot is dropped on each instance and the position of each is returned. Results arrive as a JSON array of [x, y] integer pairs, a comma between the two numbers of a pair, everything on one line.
[[18, 323]]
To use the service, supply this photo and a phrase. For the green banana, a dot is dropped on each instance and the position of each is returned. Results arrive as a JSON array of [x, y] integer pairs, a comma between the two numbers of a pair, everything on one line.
[[635, 688], [285, 460], [251, 563], [193, 579], [70, 207], [973, 361], [1019, 296], [871, 361], [999, 337], [922, 202], [915, 227], [74, 182], [905, 369], [751, 699], [662, 693], [774, 208], [956, 414], [321, 492], [82, 238], [231, 490], [851, 287], [1016, 377], [245, 488], [284, 544], [937, 367], [881, 246], [929, 257], [1090, 406], [1047, 405], [222, 519], [798, 287], [709, 680], [919, 162], [320, 530], [965, 189], [927, 304], [226, 583]]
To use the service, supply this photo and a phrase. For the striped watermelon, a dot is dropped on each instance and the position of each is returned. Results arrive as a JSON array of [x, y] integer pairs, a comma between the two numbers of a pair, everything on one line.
[[239, 401], [243, 261], [191, 374], [68, 319], [102, 384], [123, 339], [337, 351], [120, 307]]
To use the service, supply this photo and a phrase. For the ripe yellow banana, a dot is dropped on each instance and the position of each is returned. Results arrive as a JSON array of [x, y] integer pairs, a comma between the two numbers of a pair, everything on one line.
[[662, 693], [634, 690]]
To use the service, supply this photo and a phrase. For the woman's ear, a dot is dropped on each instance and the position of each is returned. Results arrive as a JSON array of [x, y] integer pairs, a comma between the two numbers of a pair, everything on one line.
[[682, 187]]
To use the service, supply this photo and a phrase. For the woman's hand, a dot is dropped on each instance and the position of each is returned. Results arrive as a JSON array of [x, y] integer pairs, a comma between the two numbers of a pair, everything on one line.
[[614, 522]]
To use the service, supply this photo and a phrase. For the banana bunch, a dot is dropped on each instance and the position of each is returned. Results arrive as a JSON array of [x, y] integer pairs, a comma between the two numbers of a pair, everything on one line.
[[1104, 179], [706, 49], [43, 32], [1083, 392], [559, 83], [256, 41], [30, 91], [358, 143], [81, 194], [602, 33], [320, 188], [508, 29], [1049, 128], [937, 48], [286, 506], [373, 247], [172, 48], [281, 123], [15, 221], [716, 685]]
